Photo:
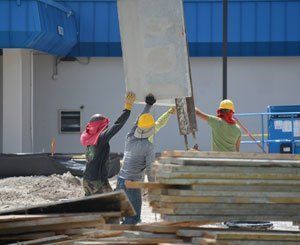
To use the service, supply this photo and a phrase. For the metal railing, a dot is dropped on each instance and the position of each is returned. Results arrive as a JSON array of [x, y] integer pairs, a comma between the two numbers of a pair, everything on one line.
[[264, 137]]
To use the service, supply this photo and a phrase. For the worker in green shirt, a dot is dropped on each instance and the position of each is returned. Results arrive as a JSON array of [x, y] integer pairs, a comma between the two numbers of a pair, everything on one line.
[[226, 134]]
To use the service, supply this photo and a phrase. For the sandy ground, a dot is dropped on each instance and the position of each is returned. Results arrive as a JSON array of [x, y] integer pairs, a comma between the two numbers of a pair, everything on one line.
[[20, 192]]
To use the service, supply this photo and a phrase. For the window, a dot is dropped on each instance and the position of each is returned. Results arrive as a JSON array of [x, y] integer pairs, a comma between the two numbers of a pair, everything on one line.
[[69, 121]]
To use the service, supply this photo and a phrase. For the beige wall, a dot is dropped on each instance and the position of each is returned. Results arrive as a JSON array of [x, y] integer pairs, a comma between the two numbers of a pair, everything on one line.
[[253, 84], [1, 99]]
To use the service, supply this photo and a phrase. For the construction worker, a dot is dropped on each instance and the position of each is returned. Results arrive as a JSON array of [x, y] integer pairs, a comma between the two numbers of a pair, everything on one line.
[[96, 139], [226, 134], [139, 155]]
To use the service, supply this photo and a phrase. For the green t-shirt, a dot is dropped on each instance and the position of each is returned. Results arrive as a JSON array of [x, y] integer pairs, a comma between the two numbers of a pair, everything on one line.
[[224, 135]]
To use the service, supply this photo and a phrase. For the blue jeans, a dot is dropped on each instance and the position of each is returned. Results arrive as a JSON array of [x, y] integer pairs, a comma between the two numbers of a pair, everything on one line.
[[135, 197]]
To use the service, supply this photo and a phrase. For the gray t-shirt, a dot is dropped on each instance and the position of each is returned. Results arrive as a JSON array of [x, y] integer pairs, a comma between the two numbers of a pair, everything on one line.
[[138, 156]]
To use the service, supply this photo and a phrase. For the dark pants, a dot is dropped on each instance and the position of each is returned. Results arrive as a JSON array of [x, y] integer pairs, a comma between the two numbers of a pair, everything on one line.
[[93, 187], [135, 197]]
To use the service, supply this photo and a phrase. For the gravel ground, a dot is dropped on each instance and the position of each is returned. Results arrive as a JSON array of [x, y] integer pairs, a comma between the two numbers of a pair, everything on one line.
[[20, 192]]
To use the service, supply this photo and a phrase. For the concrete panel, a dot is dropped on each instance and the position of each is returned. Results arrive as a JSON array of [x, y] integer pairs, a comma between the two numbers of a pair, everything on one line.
[[254, 83], [154, 48]]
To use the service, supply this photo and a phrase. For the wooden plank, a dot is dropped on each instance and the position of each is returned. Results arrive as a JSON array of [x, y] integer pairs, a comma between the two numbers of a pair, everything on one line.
[[224, 193], [11, 218], [245, 188], [47, 240], [157, 167], [109, 202], [195, 233], [51, 223], [222, 175], [229, 210], [124, 240], [230, 162], [221, 206], [218, 218], [102, 234], [295, 183], [226, 199], [255, 242], [258, 236], [203, 241], [148, 185], [30, 236], [239, 155]]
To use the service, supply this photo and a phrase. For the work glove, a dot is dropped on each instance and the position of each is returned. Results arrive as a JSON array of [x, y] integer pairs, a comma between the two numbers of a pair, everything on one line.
[[129, 100], [172, 110], [150, 100]]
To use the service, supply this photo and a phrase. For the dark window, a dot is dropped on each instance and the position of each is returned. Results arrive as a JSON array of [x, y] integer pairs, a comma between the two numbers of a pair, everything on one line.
[[70, 121]]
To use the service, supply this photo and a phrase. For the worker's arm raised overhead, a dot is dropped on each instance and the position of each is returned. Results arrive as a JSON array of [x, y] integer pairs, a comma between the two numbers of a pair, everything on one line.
[[110, 132], [162, 121], [201, 114], [150, 100]]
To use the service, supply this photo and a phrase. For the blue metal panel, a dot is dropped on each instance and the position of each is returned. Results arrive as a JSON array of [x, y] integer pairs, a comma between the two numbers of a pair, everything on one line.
[[284, 127], [98, 27], [34, 24], [256, 27]]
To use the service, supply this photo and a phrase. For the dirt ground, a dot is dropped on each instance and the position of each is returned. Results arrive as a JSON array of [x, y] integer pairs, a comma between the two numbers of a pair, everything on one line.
[[20, 192]]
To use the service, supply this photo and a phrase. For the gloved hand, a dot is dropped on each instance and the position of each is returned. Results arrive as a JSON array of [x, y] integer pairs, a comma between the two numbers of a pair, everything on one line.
[[129, 100], [150, 100], [172, 110]]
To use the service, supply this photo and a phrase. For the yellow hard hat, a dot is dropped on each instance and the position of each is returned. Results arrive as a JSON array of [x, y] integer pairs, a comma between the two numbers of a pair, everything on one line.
[[227, 104], [146, 121]]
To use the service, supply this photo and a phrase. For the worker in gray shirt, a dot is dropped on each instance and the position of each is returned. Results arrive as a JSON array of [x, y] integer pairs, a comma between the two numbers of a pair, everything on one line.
[[139, 155]]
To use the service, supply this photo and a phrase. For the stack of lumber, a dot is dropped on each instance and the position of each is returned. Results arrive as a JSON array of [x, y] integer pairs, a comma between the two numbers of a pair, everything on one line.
[[52, 222], [202, 186], [90, 228]]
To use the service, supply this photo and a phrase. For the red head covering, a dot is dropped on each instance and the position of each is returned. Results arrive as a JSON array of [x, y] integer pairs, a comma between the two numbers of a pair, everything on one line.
[[92, 132], [226, 115]]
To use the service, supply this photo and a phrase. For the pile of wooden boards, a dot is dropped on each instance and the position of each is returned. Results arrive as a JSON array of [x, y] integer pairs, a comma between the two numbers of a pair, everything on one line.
[[202, 186], [91, 229], [56, 221]]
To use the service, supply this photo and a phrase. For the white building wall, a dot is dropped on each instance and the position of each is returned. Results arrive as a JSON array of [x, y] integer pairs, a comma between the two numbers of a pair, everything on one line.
[[16, 100], [253, 84], [1, 99]]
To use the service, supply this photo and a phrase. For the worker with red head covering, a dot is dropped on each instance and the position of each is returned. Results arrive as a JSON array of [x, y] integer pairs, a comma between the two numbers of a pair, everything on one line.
[[226, 134], [96, 139]]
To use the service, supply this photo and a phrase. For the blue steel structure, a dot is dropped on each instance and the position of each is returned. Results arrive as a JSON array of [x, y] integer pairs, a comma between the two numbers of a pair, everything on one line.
[[41, 25], [255, 27], [283, 127]]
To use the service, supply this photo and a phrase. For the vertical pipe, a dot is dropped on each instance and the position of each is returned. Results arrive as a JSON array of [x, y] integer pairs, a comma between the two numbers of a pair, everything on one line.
[[186, 142], [293, 139], [224, 47], [262, 132]]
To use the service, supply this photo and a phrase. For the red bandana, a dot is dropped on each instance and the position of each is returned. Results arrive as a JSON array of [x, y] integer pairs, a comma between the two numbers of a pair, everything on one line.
[[92, 132], [226, 116]]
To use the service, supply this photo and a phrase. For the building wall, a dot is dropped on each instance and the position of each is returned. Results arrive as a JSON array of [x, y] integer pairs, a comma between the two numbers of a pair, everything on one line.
[[1, 99], [253, 84]]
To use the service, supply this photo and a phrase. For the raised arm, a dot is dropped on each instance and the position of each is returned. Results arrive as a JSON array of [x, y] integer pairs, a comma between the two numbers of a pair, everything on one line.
[[201, 114], [150, 100], [162, 121], [110, 132]]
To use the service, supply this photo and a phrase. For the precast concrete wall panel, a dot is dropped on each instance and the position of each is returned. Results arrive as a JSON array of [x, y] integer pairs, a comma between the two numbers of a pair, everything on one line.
[[154, 48]]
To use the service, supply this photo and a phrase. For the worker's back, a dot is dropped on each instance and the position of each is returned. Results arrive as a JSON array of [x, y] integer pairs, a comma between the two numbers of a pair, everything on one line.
[[224, 135]]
